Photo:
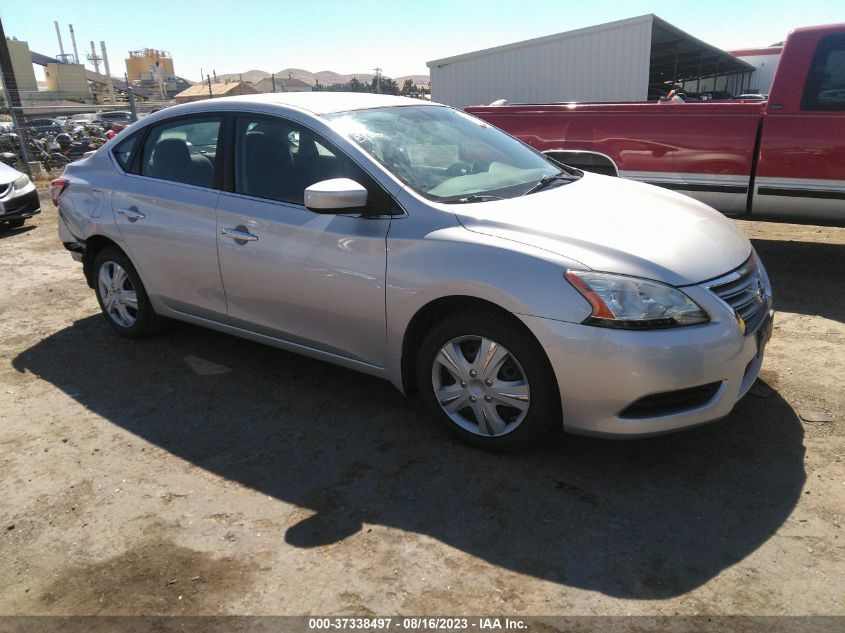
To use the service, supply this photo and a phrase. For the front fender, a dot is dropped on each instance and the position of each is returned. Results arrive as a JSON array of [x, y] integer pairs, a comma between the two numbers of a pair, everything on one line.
[[452, 261]]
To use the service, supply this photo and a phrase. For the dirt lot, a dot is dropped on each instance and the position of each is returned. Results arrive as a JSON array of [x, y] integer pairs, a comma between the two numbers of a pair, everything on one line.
[[195, 473]]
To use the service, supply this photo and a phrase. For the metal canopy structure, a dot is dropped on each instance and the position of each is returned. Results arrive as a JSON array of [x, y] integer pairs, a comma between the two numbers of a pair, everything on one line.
[[679, 58], [631, 60]]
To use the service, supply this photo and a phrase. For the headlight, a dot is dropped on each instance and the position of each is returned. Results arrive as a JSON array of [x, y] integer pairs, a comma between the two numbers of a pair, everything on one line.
[[21, 182], [629, 302]]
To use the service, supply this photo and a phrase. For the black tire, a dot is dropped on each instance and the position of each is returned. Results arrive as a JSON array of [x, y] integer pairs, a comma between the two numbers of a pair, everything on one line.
[[544, 413], [146, 321], [15, 224]]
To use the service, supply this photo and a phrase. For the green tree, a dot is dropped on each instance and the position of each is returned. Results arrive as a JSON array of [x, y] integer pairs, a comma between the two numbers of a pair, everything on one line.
[[408, 87], [355, 85], [384, 85]]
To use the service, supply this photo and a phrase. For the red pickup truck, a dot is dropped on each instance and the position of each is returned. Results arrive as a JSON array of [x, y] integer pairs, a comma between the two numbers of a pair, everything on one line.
[[784, 156]]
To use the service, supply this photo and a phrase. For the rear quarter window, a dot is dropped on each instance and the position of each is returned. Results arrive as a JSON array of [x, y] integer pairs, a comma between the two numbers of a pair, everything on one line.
[[125, 151]]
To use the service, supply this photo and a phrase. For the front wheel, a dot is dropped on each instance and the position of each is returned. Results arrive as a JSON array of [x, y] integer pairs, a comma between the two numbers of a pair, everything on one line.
[[488, 381], [122, 296]]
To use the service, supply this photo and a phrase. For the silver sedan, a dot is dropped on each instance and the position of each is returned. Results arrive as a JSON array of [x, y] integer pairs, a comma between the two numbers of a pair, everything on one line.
[[413, 242]]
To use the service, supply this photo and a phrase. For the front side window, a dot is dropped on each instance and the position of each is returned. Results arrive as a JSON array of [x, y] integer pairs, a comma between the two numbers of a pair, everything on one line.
[[825, 87], [183, 151], [277, 159], [444, 154]]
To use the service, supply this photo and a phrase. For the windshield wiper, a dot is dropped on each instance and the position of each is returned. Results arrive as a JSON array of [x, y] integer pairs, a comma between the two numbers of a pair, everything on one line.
[[545, 181], [476, 197]]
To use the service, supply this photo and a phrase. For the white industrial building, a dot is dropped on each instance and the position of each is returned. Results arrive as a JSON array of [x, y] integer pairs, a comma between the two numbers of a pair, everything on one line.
[[765, 62], [628, 60]]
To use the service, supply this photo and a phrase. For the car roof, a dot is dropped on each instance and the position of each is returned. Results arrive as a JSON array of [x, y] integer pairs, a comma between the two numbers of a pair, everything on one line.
[[318, 103]]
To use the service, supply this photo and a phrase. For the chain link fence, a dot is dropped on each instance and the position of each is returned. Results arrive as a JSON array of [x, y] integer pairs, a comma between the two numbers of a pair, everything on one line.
[[48, 137]]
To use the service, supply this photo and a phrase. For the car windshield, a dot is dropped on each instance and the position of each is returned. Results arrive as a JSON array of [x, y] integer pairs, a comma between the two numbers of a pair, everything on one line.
[[446, 155]]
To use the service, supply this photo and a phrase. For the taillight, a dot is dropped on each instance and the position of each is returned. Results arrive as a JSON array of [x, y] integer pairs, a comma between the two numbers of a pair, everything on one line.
[[56, 188]]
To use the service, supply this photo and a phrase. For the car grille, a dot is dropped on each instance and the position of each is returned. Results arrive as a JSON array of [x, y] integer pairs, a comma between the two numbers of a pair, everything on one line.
[[744, 291]]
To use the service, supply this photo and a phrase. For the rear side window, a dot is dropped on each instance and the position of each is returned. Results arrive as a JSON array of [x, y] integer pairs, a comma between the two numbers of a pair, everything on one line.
[[825, 87], [125, 150], [183, 151]]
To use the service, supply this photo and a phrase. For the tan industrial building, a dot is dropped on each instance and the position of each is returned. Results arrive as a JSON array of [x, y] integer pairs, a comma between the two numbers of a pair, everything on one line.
[[68, 79], [142, 64], [22, 65], [200, 91]]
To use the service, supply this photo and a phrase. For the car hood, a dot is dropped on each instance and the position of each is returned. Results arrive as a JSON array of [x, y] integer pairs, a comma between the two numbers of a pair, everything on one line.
[[617, 225]]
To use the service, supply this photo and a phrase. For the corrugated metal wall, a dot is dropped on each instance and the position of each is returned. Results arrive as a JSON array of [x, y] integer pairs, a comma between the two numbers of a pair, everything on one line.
[[761, 79], [606, 64]]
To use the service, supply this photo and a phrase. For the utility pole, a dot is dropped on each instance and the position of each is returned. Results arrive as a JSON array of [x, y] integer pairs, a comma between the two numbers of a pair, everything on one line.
[[209, 86], [130, 94], [273, 81], [13, 97], [377, 79]]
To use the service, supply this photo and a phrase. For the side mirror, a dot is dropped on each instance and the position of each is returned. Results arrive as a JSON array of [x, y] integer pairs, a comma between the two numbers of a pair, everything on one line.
[[328, 196]]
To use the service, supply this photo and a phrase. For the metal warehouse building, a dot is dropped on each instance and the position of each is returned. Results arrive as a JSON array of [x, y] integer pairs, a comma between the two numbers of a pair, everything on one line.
[[765, 61], [619, 61]]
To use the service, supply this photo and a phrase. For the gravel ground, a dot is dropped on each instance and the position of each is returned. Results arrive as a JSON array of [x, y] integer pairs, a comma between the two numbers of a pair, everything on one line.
[[196, 473]]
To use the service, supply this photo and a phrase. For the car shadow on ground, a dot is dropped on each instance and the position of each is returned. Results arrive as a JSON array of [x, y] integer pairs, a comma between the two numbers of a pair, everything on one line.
[[807, 277], [644, 519], [8, 231]]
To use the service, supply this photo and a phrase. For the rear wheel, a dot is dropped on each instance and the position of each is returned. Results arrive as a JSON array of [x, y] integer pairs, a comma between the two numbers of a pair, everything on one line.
[[488, 382], [122, 296]]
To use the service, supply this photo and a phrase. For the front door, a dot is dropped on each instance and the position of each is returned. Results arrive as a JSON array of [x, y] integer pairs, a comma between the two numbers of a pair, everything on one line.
[[312, 279], [802, 152]]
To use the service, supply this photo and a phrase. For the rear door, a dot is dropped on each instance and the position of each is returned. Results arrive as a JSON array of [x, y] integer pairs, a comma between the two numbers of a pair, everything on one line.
[[802, 151], [312, 279], [164, 206]]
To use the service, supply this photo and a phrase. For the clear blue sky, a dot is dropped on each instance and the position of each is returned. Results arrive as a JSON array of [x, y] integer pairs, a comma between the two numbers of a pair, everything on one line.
[[357, 35]]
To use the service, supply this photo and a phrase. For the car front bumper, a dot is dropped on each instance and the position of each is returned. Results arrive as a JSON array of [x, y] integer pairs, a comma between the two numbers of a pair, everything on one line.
[[19, 205], [602, 372]]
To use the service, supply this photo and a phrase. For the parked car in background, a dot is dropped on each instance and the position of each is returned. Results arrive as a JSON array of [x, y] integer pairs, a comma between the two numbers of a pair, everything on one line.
[[106, 119], [719, 95], [18, 197], [44, 126], [413, 242], [784, 155], [83, 119]]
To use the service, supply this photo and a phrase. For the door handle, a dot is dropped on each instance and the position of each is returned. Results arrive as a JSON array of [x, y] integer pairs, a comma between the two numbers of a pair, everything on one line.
[[132, 214], [235, 234]]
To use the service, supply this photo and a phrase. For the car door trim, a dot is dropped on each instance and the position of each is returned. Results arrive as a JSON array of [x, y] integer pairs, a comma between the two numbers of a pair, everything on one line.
[[280, 343]]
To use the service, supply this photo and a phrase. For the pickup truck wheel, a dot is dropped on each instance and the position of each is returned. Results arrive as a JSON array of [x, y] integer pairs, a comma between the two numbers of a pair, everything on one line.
[[122, 296], [488, 382]]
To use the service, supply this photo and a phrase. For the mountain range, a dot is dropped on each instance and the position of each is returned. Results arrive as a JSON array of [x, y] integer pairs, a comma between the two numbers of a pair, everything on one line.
[[325, 77]]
